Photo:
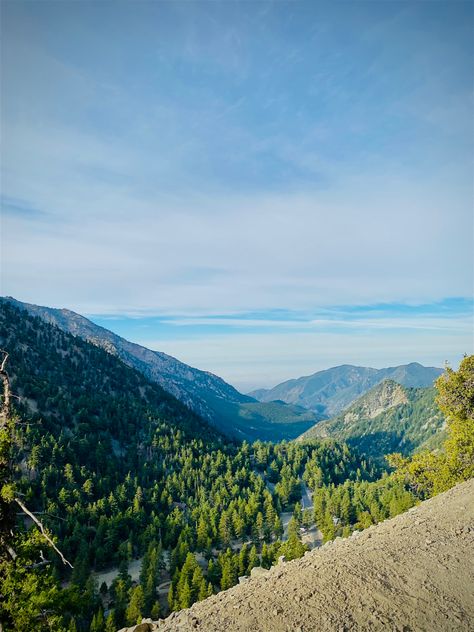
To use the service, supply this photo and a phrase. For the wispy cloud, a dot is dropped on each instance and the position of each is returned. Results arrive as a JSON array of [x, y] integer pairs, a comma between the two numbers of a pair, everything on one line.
[[20, 208], [434, 324], [229, 159], [261, 349]]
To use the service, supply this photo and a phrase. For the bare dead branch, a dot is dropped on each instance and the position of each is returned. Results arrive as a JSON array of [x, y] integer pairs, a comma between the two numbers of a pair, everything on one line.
[[44, 562], [43, 531], [5, 410], [12, 552], [4, 360]]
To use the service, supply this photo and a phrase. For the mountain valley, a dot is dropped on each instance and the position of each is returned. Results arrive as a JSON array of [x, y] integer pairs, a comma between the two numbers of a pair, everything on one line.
[[131, 481]]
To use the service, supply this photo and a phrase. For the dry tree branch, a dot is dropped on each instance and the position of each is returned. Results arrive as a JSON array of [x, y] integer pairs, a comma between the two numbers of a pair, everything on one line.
[[4, 361], [43, 531], [12, 553], [5, 411], [44, 562]]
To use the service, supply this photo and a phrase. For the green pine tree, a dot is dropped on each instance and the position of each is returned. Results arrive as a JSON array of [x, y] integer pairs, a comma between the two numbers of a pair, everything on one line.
[[110, 625], [253, 559], [135, 607], [155, 611]]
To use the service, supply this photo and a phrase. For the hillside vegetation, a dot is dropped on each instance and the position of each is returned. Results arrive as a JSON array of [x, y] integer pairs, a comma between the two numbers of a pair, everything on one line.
[[124, 474], [119, 469], [389, 418]]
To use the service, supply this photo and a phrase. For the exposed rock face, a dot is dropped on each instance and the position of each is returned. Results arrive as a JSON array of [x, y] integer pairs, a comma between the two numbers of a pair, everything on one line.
[[412, 573]]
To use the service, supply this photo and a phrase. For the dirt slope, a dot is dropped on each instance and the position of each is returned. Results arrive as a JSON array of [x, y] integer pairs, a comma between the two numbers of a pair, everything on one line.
[[412, 573]]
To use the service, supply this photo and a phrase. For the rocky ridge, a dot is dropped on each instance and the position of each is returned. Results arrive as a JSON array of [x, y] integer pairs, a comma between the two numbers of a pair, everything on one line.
[[208, 395], [412, 573], [389, 418], [331, 391]]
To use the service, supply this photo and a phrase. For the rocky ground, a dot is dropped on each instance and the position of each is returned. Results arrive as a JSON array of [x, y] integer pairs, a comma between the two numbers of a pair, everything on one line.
[[412, 573]]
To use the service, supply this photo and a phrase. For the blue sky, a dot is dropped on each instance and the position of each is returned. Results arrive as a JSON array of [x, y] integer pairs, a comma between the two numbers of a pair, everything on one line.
[[261, 189]]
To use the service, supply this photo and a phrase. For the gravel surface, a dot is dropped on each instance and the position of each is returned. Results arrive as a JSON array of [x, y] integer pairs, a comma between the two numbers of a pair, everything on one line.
[[412, 573]]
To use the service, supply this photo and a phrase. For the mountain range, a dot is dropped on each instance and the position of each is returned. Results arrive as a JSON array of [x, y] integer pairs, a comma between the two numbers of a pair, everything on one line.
[[208, 395], [115, 464], [331, 391], [388, 418], [290, 410]]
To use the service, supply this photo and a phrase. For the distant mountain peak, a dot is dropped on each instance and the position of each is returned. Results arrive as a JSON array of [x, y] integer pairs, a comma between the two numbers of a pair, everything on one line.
[[332, 390]]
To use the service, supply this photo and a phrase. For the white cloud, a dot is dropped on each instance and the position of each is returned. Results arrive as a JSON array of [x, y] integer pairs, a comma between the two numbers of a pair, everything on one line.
[[120, 253], [391, 322], [179, 199]]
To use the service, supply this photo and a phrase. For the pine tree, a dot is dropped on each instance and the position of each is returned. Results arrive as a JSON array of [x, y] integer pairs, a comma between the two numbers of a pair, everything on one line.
[[202, 534], [196, 582], [135, 607], [298, 514], [73, 628], [229, 570], [120, 592], [185, 596], [243, 560], [110, 625], [224, 529], [278, 527], [293, 548], [259, 524], [202, 593], [155, 611], [171, 597], [266, 559], [253, 559], [98, 623], [213, 572]]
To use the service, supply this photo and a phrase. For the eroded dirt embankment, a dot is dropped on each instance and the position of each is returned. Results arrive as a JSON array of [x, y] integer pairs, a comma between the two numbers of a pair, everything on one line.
[[412, 573]]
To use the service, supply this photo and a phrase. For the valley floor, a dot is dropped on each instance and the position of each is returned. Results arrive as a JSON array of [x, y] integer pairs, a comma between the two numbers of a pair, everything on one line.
[[412, 573]]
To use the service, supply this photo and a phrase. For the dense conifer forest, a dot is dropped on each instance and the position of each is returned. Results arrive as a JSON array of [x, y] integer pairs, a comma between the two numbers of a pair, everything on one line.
[[120, 471]]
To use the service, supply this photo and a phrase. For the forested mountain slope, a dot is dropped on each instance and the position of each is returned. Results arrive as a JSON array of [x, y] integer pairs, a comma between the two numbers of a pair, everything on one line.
[[208, 395], [414, 572], [389, 418], [118, 469], [329, 392]]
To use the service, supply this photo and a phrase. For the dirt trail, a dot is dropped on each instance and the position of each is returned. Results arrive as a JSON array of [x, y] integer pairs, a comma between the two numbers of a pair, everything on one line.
[[412, 573]]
